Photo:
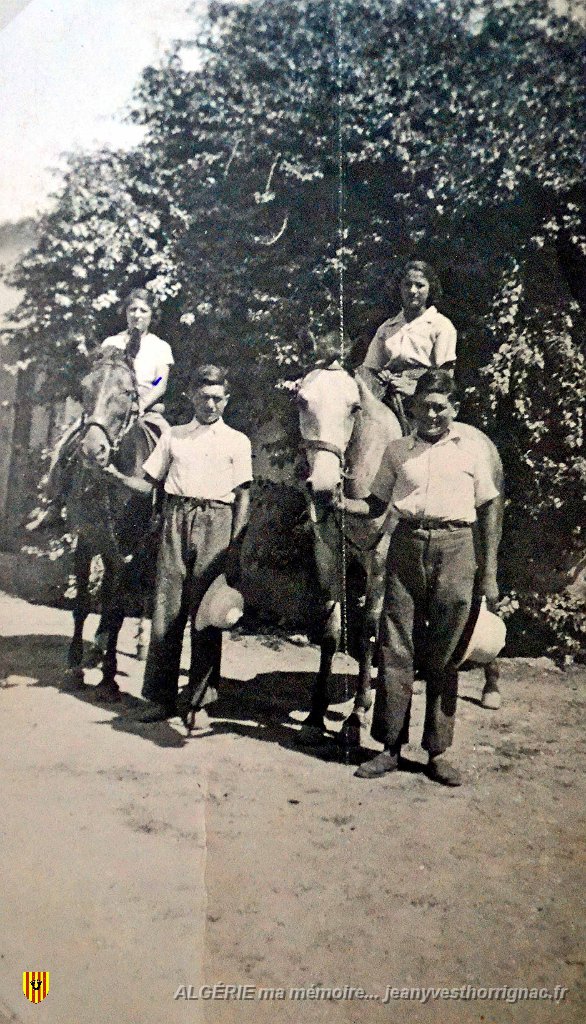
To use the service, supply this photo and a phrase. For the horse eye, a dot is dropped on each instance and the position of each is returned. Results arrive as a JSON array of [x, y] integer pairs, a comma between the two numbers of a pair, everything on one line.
[[355, 407]]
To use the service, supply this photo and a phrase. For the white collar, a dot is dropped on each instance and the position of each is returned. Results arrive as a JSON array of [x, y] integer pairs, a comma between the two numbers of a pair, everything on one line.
[[452, 434], [196, 426], [427, 316]]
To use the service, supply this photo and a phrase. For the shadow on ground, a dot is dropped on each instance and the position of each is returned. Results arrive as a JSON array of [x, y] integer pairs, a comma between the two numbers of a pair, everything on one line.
[[262, 708], [270, 707]]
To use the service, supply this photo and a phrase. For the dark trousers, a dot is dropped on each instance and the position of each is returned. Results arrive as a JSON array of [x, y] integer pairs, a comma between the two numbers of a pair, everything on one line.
[[195, 539], [430, 582]]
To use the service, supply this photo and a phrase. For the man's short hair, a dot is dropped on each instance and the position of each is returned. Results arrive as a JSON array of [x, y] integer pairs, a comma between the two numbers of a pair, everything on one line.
[[440, 382], [209, 373]]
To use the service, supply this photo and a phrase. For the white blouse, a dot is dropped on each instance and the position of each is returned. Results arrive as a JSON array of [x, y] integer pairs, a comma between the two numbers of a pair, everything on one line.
[[429, 340], [152, 359]]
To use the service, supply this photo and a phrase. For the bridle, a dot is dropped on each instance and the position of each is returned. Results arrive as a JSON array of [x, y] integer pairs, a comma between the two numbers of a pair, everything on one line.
[[317, 445], [114, 442], [321, 518], [131, 415], [324, 446]]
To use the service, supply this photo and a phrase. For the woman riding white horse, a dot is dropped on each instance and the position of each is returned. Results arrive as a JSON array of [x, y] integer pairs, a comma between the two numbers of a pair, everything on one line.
[[416, 339]]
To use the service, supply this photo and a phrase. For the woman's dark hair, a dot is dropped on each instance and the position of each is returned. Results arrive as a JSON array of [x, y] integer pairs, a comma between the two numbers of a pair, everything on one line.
[[138, 293], [435, 288], [439, 382]]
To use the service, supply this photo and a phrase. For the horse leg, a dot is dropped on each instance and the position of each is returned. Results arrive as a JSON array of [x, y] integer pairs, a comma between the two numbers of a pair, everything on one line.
[[81, 563], [314, 724], [373, 606], [112, 618], [108, 689], [141, 645], [491, 695], [100, 641], [375, 584]]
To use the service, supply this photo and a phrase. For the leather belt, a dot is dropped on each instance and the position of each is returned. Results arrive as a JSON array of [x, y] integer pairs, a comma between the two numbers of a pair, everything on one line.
[[185, 501], [434, 524]]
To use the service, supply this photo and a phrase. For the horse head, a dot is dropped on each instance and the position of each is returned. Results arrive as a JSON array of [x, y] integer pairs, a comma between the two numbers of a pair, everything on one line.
[[328, 401], [345, 431], [110, 406]]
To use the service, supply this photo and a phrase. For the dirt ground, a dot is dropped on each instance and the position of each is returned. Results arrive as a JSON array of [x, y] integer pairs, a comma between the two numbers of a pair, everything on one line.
[[136, 861]]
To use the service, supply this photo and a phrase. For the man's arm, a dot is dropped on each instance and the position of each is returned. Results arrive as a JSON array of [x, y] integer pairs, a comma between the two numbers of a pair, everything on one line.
[[241, 512], [139, 484], [490, 528], [240, 517], [371, 506], [377, 502]]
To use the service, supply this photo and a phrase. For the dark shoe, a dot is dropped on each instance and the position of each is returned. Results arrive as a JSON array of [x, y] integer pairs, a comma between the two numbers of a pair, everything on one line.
[[156, 713], [441, 770], [380, 765]]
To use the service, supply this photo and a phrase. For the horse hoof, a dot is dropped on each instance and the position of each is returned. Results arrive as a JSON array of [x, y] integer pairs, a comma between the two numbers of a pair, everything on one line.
[[109, 693], [311, 736], [72, 679], [491, 699], [349, 734], [93, 658]]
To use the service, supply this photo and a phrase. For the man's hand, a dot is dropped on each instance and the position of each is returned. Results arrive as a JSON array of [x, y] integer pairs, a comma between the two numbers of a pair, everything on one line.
[[356, 506], [489, 588]]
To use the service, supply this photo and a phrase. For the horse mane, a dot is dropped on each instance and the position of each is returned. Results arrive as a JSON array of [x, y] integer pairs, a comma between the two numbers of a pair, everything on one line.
[[108, 355], [375, 427]]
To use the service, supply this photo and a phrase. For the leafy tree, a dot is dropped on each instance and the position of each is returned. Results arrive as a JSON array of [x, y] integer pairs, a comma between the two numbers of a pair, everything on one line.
[[316, 146]]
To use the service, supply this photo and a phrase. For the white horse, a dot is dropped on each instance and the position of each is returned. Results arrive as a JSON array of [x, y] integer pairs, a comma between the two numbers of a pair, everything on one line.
[[345, 432]]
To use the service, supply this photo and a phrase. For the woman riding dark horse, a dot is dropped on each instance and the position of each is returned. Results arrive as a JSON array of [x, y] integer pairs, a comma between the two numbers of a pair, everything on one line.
[[107, 519], [151, 359]]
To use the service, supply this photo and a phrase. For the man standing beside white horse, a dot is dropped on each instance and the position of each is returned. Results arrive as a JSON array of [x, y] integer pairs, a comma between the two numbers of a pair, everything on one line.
[[440, 485]]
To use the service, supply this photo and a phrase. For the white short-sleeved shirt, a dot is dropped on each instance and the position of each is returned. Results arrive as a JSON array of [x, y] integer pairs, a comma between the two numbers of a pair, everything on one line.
[[154, 356], [200, 460], [446, 480], [429, 340]]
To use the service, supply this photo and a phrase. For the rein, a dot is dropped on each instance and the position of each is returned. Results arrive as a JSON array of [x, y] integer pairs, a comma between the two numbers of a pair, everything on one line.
[[338, 516]]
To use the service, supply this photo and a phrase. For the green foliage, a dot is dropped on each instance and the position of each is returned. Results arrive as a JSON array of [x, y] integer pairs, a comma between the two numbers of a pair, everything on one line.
[[229, 210], [317, 145], [551, 624], [532, 404]]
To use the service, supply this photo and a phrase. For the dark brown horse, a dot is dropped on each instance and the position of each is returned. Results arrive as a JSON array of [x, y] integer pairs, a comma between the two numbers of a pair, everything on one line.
[[345, 432], [106, 518]]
